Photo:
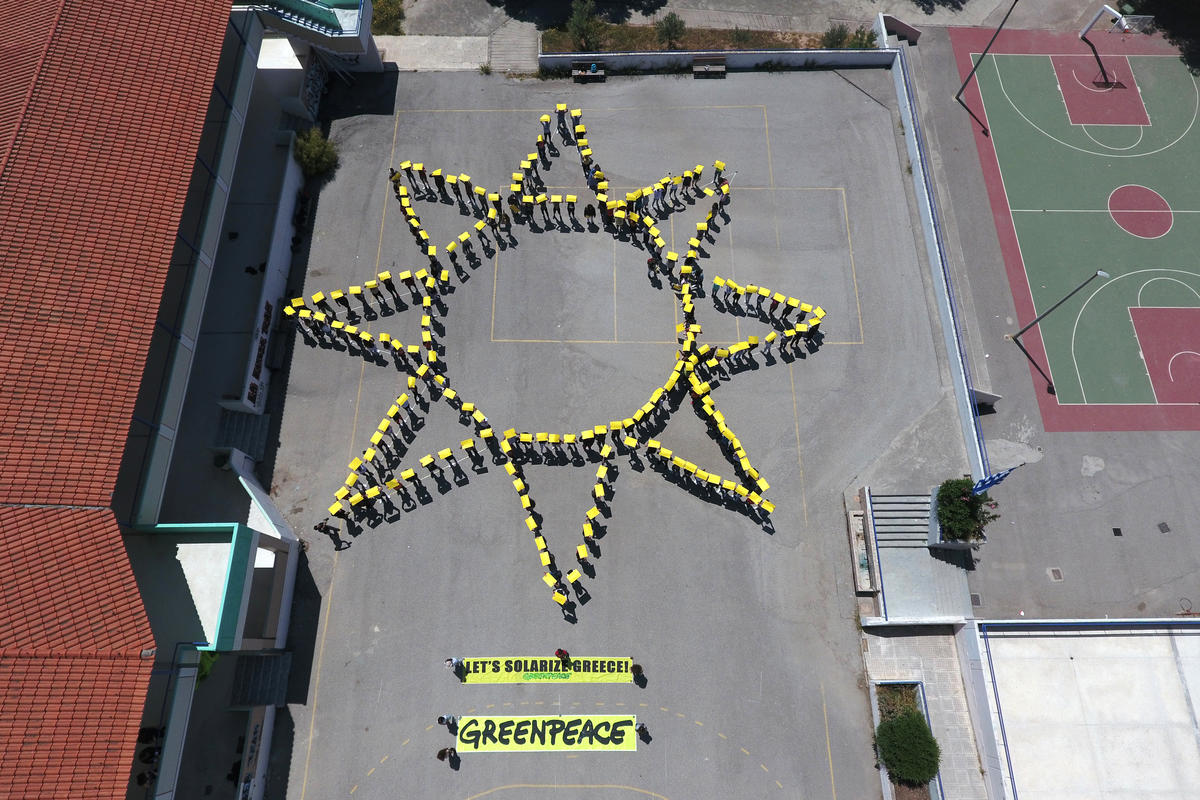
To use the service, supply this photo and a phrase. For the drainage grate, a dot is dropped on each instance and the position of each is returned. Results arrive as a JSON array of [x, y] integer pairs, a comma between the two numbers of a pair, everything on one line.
[[1117, 532], [976, 600], [1164, 527], [1055, 574]]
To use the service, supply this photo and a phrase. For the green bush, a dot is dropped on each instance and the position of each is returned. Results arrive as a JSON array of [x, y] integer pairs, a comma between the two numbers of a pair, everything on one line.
[[835, 38], [863, 38], [586, 29], [840, 37], [316, 155], [907, 748], [388, 18], [740, 37], [670, 30], [962, 514]]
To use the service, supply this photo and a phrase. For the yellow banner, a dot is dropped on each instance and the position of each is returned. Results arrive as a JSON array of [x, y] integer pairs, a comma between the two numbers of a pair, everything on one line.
[[547, 670], [569, 732]]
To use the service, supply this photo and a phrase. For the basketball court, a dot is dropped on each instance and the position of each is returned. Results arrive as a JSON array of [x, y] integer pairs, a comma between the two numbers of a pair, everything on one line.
[[1086, 161]]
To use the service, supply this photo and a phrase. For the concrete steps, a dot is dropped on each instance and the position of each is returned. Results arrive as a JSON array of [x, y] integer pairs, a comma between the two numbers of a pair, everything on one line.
[[900, 520], [513, 47]]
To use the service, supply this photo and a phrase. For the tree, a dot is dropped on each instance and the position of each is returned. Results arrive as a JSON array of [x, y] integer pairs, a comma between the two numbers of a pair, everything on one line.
[[670, 30], [907, 748], [585, 27], [316, 155], [963, 514], [387, 18]]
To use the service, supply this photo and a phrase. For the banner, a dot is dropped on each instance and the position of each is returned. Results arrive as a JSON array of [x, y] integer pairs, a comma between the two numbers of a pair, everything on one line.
[[547, 670], [576, 733]]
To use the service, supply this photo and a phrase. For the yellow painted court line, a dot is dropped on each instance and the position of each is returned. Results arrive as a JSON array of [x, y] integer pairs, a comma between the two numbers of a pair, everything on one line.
[[764, 768], [828, 744], [354, 788], [723, 736], [767, 136], [853, 271], [312, 721], [744, 751], [698, 722], [590, 110], [560, 786], [406, 741], [614, 249], [577, 341], [495, 280], [371, 771], [385, 758], [799, 462]]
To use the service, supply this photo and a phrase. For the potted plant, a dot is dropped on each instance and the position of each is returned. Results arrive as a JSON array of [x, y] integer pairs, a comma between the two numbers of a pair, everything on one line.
[[958, 516]]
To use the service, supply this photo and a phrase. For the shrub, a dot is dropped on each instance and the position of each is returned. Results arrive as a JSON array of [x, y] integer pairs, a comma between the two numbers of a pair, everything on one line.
[[586, 29], [907, 748], [835, 38], [740, 37], [485, 69], [962, 514], [863, 38], [670, 30], [316, 155], [388, 18]]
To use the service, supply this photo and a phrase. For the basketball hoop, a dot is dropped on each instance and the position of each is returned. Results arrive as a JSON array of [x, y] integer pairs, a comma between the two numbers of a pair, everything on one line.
[[1133, 23]]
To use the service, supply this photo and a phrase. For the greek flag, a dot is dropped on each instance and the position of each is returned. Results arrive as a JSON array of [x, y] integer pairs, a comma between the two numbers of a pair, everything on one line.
[[991, 480]]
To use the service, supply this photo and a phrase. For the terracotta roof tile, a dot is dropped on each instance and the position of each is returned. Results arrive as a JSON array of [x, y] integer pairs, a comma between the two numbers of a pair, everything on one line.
[[101, 110]]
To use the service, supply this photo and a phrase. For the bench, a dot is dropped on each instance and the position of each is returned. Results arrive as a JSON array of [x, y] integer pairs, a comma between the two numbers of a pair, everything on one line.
[[708, 67], [584, 71]]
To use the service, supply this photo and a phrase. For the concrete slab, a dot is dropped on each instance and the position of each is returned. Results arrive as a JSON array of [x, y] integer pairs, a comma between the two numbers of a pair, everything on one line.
[[747, 637], [1103, 712], [433, 53]]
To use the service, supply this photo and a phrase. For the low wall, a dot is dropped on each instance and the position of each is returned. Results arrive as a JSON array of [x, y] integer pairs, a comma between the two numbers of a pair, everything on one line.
[[734, 59], [939, 268]]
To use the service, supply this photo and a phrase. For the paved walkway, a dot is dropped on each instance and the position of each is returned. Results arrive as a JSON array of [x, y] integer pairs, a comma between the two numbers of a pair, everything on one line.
[[513, 47], [933, 660], [434, 53]]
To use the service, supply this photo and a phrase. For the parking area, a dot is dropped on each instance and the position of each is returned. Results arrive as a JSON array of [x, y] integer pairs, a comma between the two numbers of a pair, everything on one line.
[[745, 628]]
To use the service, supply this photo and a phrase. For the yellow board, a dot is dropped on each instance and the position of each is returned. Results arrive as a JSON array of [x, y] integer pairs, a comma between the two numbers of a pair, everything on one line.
[[576, 733], [547, 670]]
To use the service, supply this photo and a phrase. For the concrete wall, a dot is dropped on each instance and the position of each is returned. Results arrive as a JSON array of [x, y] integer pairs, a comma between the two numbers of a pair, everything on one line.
[[975, 684], [935, 250], [739, 59]]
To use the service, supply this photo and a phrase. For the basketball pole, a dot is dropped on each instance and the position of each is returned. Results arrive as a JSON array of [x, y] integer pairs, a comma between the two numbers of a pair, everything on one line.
[[975, 66], [1015, 338], [1119, 19]]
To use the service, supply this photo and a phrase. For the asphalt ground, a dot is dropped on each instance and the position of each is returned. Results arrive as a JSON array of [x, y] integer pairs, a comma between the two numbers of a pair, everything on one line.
[[1058, 512], [746, 632]]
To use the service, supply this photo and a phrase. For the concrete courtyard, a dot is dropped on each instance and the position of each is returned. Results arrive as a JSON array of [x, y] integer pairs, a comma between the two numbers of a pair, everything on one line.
[[746, 631]]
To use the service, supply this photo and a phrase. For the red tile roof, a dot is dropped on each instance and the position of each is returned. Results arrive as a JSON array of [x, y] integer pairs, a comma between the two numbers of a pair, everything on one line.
[[72, 679], [101, 109]]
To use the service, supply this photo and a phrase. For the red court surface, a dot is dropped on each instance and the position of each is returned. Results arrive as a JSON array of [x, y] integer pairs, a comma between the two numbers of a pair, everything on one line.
[[1089, 101], [1170, 342], [967, 44], [1140, 211]]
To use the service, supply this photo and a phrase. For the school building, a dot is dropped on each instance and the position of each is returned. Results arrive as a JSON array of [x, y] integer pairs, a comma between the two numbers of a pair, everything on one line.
[[149, 209]]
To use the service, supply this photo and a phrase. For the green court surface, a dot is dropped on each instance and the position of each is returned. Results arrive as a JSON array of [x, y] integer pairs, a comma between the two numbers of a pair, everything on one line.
[[1114, 194]]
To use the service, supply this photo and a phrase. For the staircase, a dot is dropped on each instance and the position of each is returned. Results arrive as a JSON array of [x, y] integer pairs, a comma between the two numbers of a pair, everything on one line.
[[513, 47], [245, 432], [900, 520], [260, 679]]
